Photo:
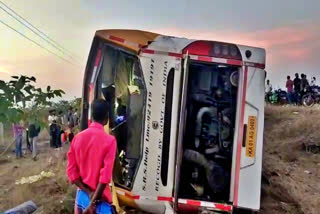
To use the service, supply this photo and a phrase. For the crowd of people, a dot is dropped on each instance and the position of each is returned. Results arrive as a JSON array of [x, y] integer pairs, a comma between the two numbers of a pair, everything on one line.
[[61, 126], [61, 130], [31, 132], [295, 88]]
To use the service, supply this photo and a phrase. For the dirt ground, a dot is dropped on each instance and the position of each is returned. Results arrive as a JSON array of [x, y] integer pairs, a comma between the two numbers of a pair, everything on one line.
[[52, 195], [291, 175]]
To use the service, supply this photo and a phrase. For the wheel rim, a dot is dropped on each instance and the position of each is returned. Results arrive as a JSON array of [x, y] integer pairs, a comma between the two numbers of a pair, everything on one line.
[[308, 101]]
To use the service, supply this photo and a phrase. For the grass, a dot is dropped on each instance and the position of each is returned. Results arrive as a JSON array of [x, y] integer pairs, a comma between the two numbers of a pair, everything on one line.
[[292, 172]]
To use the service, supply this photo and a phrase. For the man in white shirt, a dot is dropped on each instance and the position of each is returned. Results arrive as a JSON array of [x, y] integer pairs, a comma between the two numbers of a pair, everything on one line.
[[52, 117], [268, 86], [268, 90], [313, 82]]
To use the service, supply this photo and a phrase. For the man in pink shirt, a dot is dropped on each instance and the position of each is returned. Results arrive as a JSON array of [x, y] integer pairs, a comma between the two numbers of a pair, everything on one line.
[[90, 163], [289, 86]]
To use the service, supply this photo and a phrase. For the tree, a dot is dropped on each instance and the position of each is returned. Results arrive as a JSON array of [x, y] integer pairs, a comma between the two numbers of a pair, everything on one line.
[[20, 98], [64, 105]]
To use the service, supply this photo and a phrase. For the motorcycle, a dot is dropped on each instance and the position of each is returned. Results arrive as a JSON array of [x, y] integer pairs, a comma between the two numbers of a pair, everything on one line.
[[277, 97], [311, 96]]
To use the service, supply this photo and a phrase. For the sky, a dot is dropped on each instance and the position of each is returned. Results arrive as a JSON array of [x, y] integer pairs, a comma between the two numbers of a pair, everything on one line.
[[289, 30]]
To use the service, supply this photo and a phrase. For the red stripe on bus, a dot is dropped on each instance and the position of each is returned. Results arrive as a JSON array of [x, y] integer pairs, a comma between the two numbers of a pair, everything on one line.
[[194, 203], [256, 65], [205, 58], [240, 137], [137, 197], [234, 62], [223, 207], [148, 51], [175, 54], [116, 39], [132, 196], [259, 65], [162, 198], [96, 62]]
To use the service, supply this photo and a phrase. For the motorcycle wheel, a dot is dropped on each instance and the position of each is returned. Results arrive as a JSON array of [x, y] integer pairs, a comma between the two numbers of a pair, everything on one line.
[[307, 100], [283, 101]]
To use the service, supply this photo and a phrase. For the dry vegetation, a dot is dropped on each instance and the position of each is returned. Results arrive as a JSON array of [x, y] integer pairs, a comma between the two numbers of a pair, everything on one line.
[[291, 181], [52, 195], [291, 175]]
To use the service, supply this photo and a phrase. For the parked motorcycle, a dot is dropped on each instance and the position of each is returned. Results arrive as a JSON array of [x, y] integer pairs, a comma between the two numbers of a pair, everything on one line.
[[311, 96], [277, 97]]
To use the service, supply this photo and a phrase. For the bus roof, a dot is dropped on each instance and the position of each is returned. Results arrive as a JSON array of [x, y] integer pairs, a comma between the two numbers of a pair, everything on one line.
[[135, 40], [131, 39]]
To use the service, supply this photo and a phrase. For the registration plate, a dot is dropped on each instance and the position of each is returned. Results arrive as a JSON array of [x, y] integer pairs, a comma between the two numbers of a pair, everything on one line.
[[251, 136]]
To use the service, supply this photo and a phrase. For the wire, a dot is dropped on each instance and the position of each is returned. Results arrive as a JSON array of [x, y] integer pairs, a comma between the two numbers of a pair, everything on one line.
[[34, 29], [21, 34]]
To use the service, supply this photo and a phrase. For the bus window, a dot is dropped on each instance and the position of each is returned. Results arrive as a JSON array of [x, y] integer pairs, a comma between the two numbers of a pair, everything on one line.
[[121, 82]]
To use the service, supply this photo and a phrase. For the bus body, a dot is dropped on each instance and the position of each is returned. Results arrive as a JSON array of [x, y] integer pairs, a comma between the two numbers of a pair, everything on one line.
[[188, 117]]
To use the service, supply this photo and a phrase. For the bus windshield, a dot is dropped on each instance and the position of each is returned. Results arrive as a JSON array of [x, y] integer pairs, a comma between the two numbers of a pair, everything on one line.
[[120, 81]]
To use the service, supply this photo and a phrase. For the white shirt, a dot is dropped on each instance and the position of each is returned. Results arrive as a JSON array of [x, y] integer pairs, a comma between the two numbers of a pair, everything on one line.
[[52, 118], [313, 83], [268, 88]]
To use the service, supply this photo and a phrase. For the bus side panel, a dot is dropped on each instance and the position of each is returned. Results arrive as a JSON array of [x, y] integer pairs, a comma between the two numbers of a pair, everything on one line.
[[249, 178], [149, 180], [86, 83]]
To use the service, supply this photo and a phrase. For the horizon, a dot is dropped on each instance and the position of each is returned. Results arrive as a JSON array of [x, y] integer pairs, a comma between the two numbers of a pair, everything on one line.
[[288, 32]]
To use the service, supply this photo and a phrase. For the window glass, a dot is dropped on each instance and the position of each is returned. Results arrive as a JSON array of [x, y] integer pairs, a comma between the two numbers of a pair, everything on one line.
[[121, 82]]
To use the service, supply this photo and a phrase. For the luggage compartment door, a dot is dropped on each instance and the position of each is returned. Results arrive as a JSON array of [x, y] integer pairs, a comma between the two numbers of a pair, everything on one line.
[[248, 164]]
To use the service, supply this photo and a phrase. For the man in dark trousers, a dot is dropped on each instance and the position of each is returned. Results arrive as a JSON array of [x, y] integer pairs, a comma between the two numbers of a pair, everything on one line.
[[33, 132], [90, 163], [297, 88], [304, 84]]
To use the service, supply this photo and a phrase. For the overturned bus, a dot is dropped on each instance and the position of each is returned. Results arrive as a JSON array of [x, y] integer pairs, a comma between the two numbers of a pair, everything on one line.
[[188, 117]]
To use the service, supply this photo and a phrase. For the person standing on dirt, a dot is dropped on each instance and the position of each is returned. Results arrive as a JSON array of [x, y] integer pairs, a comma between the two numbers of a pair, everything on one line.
[[268, 90], [313, 82], [18, 135], [53, 129], [34, 131], [70, 117], [289, 86], [71, 123], [76, 117], [29, 146], [304, 83], [90, 163], [61, 119], [297, 88]]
